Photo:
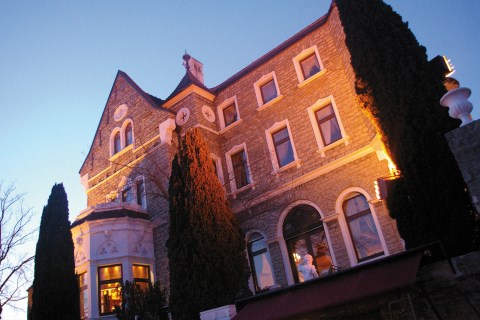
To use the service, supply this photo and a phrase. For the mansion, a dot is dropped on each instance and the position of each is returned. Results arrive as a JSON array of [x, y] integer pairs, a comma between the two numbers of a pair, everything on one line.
[[294, 151]]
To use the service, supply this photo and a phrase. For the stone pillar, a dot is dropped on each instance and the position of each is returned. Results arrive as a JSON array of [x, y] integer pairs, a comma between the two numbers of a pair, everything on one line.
[[465, 145]]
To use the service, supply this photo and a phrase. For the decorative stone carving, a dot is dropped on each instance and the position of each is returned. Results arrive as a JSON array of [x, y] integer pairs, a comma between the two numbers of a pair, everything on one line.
[[166, 128], [80, 256], [182, 116], [459, 106], [208, 113], [107, 248], [120, 112]]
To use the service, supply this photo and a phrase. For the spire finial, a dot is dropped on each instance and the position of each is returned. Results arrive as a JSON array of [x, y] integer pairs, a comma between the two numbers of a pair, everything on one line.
[[186, 57]]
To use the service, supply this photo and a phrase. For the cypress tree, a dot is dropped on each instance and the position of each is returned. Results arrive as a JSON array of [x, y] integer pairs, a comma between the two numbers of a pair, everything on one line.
[[206, 247], [55, 286], [400, 92]]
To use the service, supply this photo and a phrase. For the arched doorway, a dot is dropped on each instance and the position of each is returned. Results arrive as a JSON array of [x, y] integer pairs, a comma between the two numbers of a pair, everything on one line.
[[304, 233]]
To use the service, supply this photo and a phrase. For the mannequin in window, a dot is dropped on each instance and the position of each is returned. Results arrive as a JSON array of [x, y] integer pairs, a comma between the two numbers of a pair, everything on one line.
[[307, 269], [324, 262]]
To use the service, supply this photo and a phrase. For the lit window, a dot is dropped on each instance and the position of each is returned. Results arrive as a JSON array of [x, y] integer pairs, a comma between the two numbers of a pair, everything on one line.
[[304, 234], [110, 288], [260, 263], [141, 199], [328, 125], [128, 134], [141, 276], [310, 66], [82, 284], [228, 113], [267, 90], [117, 143], [362, 228], [283, 147]]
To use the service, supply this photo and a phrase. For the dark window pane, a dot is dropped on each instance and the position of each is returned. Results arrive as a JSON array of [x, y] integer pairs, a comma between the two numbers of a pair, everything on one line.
[[283, 147], [230, 114], [240, 169], [128, 135], [269, 91], [141, 197], [310, 66], [117, 146]]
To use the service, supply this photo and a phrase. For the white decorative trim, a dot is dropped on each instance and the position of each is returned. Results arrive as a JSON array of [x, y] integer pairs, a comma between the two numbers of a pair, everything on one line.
[[186, 92], [316, 130], [120, 112], [271, 147], [298, 68], [166, 128], [84, 181], [259, 83], [221, 313], [182, 116], [282, 243], [218, 163], [344, 227], [208, 113]]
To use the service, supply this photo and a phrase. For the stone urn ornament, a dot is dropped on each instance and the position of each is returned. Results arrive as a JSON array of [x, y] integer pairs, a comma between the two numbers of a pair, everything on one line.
[[459, 106]]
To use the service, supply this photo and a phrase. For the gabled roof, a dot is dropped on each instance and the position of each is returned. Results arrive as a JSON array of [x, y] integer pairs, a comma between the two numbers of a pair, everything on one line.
[[187, 80], [150, 99]]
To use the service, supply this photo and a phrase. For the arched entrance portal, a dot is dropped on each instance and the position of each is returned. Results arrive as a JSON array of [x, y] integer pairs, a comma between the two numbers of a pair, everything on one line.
[[304, 233]]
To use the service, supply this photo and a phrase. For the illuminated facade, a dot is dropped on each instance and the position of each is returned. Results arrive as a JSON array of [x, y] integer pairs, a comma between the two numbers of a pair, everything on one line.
[[295, 153]]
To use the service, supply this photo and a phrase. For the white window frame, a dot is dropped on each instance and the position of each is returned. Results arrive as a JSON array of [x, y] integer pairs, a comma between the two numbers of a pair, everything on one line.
[[345, 229], [259, 83], [231, 172], [298, 67], [226, 103], [271, 146], [218, 163], [123, 139], [321, 103], [248, 239], [112, 141]]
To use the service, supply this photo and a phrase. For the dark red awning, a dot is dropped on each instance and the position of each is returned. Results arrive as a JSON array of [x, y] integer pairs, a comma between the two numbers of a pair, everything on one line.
[[365, 281]]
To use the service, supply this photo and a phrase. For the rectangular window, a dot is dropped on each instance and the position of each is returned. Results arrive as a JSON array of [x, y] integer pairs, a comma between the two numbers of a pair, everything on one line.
[[328, 125], [240, 169], [82, 284], [141, 199], [310, 66], [230, 114], [269, 91], [283, 147], [109, 288], [141, 276], [262, 271]]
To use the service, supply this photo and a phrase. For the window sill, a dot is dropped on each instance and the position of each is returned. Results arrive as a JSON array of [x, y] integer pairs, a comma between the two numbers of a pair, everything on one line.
[[270, 103], [230, 126], [119, 153], [295, 163], [333, 145], [234, 193], [315, 76]]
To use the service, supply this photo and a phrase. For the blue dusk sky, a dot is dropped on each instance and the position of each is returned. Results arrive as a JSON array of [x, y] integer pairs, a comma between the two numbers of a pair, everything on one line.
[[58, 61]]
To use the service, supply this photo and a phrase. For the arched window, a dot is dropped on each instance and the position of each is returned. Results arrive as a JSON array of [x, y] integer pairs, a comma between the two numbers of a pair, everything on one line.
[[304, 234], [128, 134], [260, 262], [363, 232], [117, 143]]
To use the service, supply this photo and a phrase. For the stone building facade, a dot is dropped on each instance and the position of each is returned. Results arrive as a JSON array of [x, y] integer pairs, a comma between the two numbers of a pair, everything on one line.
[[296, 154]]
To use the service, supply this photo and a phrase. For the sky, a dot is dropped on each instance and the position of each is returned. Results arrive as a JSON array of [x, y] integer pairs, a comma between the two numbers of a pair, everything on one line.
[[58, 61]]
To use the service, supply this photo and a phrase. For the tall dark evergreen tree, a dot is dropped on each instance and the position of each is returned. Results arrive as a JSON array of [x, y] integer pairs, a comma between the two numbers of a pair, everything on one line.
[[206, 247], [55, 286], [400, 92]]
